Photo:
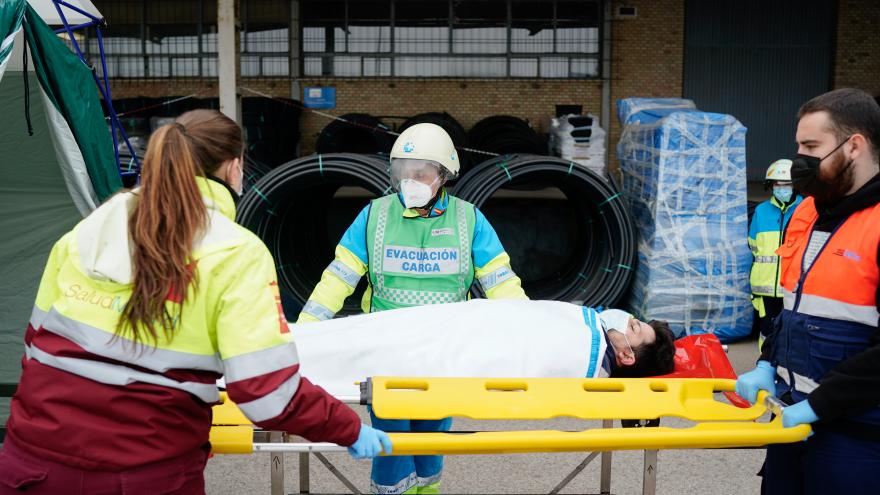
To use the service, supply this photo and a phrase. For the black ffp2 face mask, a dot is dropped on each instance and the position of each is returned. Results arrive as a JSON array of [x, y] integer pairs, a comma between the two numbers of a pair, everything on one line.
[[805, 177]]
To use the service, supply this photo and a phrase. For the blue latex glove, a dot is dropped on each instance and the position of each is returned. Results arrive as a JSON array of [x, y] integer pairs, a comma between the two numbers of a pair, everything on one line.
[[763, 377], [370, 443], [799, 414]]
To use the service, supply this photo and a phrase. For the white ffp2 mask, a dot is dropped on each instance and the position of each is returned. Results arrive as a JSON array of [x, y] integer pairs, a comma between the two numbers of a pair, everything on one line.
[[415, 194], [615, 319], [240, 190]]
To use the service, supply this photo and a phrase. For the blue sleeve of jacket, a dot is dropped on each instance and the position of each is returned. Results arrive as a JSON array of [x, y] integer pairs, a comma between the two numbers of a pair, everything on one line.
[[486, 245], [355, 238], [753, 225]]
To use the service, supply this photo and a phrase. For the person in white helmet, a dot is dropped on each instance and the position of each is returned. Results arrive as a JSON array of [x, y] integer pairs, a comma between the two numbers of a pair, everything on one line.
[[418, 246], [766, 233]]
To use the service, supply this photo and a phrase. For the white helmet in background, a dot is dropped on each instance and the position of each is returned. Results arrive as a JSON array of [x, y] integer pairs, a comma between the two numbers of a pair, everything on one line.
[[427, 142], [780, 171]]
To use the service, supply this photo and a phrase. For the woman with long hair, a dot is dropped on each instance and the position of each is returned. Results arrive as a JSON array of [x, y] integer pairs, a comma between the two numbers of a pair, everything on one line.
[[142, 306]]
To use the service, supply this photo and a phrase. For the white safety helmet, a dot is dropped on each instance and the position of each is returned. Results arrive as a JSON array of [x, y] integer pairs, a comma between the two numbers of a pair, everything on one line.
[[427, 142], [779, 171]]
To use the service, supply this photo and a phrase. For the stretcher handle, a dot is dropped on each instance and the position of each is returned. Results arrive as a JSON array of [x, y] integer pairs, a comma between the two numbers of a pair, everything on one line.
[[773, 404]]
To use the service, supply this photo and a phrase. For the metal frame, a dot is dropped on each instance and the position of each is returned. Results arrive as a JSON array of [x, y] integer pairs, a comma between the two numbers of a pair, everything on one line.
[[146, 63], [102, 82], [295, 54], [278, 444], [508, 55], [649, 465]]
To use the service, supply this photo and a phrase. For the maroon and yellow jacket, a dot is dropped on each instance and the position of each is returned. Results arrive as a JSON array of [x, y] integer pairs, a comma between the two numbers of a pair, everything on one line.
[[99, 402]]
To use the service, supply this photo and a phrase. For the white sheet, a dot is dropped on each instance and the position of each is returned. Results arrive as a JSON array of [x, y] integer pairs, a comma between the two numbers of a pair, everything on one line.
[[478, 338]]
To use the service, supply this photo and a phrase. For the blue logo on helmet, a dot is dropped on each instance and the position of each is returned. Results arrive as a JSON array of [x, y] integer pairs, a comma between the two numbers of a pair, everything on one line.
[[408, 147]]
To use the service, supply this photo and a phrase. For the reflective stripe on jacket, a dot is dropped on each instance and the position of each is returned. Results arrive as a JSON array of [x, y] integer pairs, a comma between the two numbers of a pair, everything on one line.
[[418, 261], [107, 404], [830, 312], [491, 264], [765, 236]]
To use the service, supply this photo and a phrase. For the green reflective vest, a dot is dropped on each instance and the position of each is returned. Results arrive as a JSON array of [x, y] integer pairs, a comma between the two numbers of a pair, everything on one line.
[[414, 261]]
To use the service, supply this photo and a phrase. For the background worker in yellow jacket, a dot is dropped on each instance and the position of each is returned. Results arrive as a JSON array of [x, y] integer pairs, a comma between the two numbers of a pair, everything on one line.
[[418, 246], [766, 233], [142, 306]]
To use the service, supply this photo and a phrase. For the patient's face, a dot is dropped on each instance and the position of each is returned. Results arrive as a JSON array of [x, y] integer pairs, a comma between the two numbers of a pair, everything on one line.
[[637, 334], [640, 333]]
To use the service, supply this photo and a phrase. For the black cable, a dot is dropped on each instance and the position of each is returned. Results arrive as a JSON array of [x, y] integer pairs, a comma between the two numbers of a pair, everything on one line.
[[601, 252], [293, 209]]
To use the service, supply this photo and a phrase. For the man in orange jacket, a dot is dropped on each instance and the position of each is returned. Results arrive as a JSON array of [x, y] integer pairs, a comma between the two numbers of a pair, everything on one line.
[[823, 356]]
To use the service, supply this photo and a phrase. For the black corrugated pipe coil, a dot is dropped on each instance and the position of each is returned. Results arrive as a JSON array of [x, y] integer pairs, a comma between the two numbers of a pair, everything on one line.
[[577, 246], [359, 133], [254, 170], [504, 134], [299, 212]]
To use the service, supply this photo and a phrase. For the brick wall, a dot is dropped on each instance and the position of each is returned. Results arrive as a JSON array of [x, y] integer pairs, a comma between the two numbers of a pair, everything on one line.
[[203, 88], [647, 60], [858, 46], [467, 100], [159, 88], [647, 57]]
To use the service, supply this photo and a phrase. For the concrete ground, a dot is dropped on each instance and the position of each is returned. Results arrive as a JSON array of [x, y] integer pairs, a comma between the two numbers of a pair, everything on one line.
[[707, 472]]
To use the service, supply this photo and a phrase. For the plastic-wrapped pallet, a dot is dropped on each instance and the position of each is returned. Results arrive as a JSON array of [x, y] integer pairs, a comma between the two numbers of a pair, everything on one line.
[[631, 106], [684, 174], [580, 139]]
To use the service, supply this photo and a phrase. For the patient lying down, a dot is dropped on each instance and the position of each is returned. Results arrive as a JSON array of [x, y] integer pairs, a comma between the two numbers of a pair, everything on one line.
[[482, 338]]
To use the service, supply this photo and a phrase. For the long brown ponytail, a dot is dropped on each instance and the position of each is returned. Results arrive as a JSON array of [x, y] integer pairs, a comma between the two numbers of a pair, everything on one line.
[[170, 216]]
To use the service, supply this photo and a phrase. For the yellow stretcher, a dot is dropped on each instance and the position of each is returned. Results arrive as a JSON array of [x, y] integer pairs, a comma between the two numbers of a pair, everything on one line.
[[719, 425], [701, 370]]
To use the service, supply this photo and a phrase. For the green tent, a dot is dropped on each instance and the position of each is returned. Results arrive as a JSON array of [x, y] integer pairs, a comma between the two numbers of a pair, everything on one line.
[[48, 180]]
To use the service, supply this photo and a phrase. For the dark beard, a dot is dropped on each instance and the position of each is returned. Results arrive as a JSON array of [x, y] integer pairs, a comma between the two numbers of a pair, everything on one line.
[[836, 187]]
